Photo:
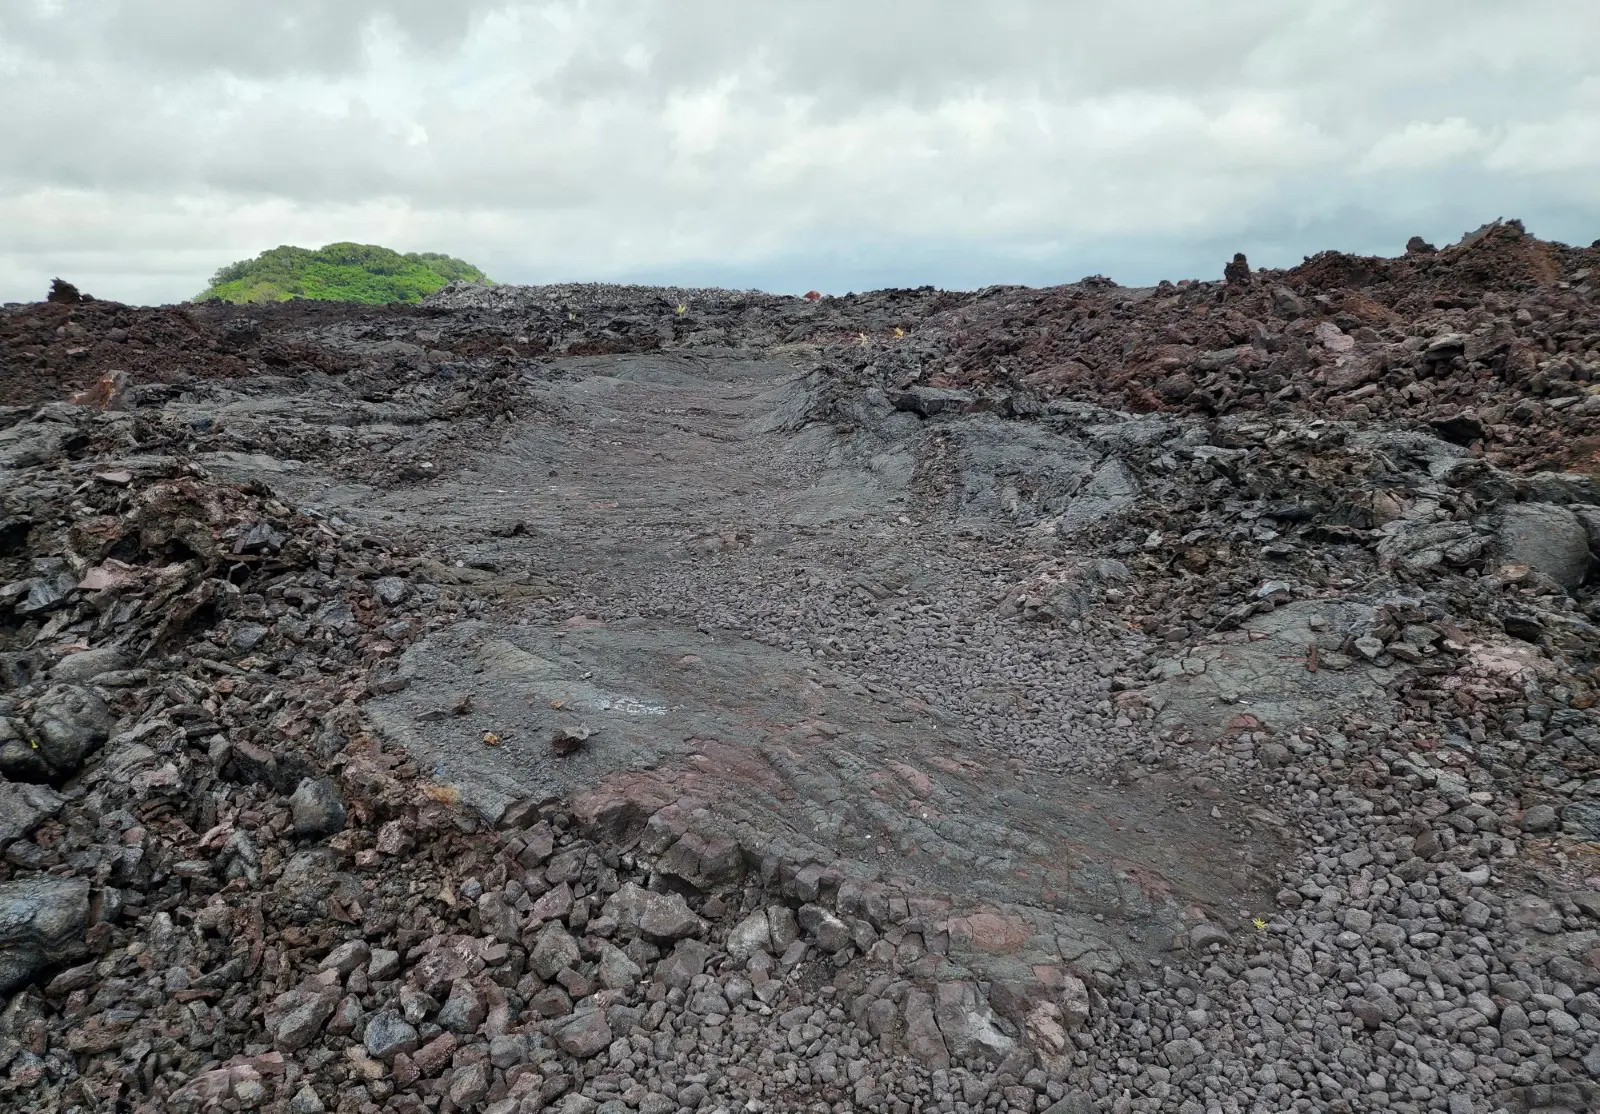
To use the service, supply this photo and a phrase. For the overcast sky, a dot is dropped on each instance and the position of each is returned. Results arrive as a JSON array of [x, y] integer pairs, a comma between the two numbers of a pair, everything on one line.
[[812, 143]]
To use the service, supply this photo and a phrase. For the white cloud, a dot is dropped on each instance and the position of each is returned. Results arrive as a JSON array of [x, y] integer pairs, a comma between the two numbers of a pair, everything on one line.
[[146, 142], [1569, 143], [1423, 145]]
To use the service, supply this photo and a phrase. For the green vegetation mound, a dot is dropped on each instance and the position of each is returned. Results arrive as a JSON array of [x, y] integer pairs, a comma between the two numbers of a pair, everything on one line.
[[338, 273]]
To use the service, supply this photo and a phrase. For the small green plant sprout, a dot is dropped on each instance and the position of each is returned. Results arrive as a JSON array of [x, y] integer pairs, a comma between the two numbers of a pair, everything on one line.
[[1261, 923]]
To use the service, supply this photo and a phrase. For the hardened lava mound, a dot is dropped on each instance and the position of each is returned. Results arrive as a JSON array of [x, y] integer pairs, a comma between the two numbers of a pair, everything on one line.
[[620, 699]]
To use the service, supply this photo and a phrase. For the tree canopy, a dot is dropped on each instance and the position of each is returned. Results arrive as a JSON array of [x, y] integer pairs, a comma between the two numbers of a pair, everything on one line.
[[342, 272]]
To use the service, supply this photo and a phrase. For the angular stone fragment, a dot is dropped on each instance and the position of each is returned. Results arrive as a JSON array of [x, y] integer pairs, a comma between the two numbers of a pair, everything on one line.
[[1459, 429], [1585, 817], [317, 808], [242, 1083], [246, 637], [832, 934], [881, 1017], [1540, 818], [23, 806], [306, 1101], [923, 1039], [391, 590], [346, 957], [704, 862], [464, 1010], [663, 916], [687, 960], [749, 936], [583, 1034], [432, 1057], [553, 904], [1183, 1052], [469, 1085], [260, 537], [617, 971], [385, 964], [782, 927], [1073, 1102], [968, 1024], [388, 1034], [554, 951], [538, 845], [301, 1015], [394, 839], [497, 919]]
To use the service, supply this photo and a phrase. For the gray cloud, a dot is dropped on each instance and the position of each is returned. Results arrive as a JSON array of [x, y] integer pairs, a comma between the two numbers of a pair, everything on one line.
[[829, 144], [247, 38]]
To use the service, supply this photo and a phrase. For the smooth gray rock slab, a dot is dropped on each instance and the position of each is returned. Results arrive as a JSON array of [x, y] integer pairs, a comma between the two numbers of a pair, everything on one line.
[[927, 401], [69, 722], [1546, 537], [81, 667], [42, 922]]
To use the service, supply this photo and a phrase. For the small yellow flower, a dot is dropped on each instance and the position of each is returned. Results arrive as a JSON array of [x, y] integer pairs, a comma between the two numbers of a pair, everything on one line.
[[1260, 922]]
